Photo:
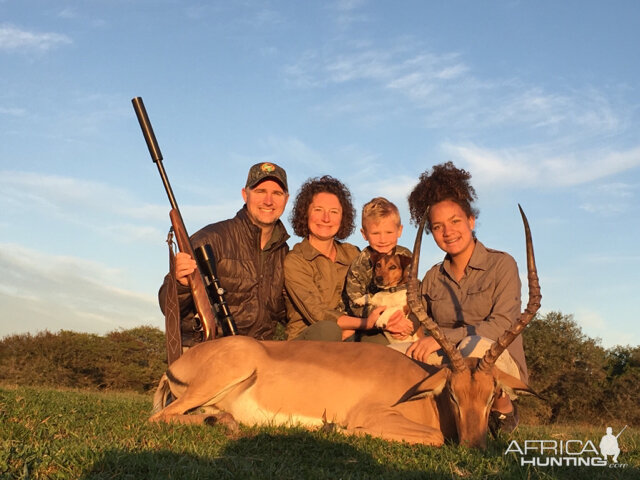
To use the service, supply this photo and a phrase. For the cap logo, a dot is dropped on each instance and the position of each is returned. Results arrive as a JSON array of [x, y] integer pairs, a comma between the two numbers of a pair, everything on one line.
[[267, 167]]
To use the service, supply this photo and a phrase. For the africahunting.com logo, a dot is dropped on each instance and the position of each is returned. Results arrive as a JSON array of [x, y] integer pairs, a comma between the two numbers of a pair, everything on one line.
[[569, 453]]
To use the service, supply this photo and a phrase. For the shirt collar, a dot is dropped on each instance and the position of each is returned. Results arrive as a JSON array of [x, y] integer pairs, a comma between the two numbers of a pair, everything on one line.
[[479, 259], [309, 252]]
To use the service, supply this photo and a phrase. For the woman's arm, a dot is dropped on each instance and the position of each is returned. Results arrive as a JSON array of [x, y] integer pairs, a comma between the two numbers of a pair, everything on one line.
[[506, 300], [304, 293]]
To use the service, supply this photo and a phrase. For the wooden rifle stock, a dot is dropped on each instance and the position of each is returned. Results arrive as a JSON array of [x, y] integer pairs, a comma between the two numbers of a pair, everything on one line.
[[198, 290], [196, 284]]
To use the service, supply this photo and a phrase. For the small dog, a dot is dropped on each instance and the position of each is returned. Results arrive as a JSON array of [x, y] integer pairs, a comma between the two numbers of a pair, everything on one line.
[[390, 275]]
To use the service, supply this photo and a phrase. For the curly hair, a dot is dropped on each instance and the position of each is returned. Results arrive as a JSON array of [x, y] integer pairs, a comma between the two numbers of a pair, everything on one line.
[[444, 182], [299, 216]]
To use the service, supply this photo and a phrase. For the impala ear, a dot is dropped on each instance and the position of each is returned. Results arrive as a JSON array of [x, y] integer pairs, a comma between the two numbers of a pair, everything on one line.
[[430, 386], [511, 384]]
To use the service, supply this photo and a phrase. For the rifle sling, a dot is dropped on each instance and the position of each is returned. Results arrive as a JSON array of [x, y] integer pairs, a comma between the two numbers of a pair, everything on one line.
[[172, 309]]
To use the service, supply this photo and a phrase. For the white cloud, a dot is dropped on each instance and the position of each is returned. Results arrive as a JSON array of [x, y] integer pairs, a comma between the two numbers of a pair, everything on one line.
[[497, 167], [444, 90], [14, 112], [349, 12], [608, 259], [610, 198], [58, 194], [41, 291], [68, 13], [12, 38], [291, 150], [594, 325], [80, 202], [590, 320], [349, 5], [395, 188], [536, 167]]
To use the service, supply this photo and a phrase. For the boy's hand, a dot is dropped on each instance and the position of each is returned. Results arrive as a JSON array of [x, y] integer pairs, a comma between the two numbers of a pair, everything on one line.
[[347, 333], [373, 317]]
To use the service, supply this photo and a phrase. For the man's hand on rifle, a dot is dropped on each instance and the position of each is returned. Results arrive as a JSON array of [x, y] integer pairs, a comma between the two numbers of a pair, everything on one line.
[[185, 266]]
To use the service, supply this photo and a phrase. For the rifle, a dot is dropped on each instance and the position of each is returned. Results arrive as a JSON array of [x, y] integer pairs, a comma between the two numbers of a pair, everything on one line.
[[198, 290], [207, 264], [622, 431]]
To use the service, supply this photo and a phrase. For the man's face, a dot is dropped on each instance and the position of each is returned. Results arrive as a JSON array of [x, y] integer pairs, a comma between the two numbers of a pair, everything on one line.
[[265, 202]]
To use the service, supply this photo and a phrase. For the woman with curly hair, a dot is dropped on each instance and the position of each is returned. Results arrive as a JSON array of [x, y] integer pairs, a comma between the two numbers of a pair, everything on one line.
[[316, 268], [474, 293]]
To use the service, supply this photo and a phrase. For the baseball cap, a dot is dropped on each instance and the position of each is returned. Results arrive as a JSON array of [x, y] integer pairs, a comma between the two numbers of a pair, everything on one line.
[[264, 170]]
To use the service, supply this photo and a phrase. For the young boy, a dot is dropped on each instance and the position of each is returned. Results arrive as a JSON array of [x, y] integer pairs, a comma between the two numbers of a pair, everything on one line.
[[381, 227]]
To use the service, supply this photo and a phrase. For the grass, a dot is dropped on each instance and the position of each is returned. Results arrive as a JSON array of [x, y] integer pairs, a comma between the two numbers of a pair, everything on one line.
[[47, 433]]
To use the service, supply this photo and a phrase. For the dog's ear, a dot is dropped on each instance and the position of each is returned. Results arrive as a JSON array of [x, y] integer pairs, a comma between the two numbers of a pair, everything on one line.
[[405, 262], [374, 257]]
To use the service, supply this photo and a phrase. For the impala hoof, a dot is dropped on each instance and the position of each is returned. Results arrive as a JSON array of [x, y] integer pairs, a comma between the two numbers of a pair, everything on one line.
[[503, 422], [224, 419]]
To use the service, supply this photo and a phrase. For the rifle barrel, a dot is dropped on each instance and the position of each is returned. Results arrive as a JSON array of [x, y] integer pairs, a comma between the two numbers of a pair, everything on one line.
[[154, 148], [147, 129]]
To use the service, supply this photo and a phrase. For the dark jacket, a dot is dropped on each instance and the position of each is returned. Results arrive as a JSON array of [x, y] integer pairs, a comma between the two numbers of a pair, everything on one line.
[[252, 278]]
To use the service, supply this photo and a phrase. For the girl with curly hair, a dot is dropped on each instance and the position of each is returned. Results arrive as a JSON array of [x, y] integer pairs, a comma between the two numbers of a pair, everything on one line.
[[316, 268], [474, 293]]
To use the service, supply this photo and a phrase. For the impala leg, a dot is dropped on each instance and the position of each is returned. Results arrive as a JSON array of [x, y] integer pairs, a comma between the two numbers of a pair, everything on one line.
[[207, 392], [175, 411], [391, 425]]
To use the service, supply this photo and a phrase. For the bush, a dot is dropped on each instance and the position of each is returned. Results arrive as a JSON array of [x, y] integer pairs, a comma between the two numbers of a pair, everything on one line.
[[130, 360], [578, 378]]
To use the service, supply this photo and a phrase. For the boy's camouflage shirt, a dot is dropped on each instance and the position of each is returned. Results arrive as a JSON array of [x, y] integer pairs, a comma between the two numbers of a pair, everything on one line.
[[359, 281]]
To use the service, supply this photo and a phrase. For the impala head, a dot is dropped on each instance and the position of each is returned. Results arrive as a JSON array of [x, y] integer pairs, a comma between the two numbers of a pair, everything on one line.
[[470, 385]]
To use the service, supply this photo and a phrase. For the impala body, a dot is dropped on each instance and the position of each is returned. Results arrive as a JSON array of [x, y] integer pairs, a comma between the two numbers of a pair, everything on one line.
[[361, 388]]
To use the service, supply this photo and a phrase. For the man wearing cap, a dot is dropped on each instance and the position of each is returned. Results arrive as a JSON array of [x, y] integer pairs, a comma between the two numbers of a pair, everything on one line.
[[249, 250]]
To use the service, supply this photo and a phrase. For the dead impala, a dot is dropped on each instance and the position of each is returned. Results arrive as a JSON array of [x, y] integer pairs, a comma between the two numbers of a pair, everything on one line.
[[362, 388]]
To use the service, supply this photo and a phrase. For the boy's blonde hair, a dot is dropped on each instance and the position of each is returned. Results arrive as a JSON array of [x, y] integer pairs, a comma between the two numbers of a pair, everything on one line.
[[377, 209]]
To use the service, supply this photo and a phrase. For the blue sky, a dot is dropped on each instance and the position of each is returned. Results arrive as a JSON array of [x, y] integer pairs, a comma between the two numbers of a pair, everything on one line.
[[538, 100]]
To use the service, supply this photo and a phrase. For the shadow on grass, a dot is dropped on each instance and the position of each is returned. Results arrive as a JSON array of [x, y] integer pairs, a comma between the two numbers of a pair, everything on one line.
[[306, 456], [265, 456]]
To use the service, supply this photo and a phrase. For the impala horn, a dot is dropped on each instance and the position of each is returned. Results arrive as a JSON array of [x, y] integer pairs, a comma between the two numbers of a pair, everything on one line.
[[415, 304], [491, 355]]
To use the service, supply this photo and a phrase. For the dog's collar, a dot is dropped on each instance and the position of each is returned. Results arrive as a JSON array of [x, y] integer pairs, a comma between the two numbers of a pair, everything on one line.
[[395, 289]]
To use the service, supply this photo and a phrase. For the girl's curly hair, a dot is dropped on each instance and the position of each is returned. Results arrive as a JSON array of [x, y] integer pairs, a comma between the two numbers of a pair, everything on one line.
[[299, 216], [444, 182]]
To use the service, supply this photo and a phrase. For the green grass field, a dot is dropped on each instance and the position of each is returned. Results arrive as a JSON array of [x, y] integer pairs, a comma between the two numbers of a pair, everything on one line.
[[47, 433]]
